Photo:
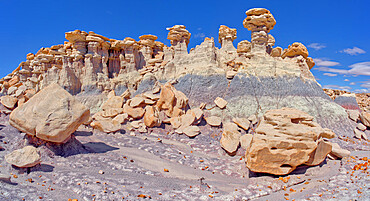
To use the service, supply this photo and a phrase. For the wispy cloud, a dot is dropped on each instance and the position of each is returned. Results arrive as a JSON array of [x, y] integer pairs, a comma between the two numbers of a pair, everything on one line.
[[362, 68], [199, 35], [345, 88], [317, 46], [346, 80], [325, 62], [352, 83], [366, 84], [330, 74], [332, 70], [353, 51]]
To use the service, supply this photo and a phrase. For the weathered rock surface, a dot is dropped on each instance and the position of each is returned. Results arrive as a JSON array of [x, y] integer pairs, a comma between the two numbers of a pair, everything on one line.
[[365, 118], [9, 101], [285, 139], [230, 138], [25, 157], [52, 115]]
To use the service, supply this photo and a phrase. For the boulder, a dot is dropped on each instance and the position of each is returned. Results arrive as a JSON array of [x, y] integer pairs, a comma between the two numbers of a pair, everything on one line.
[[230, 138], [52, 115], [285, 139], [25, 157], [220, 102], [245, 141], [191, 131], [365, 118], [113, 102], [353, 114], [151, 117], [106, 125], [9, 101], [135, 113], [338, 152], [361, 127], [121, 118], [213, 120], [242, 123], [137, 101], [359, 134]]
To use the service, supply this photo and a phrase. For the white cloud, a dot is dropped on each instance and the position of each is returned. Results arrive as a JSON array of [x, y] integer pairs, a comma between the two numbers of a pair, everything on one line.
[[316, 46], [362, 91], [353, 51], [362, 68], [352, 83], [325, 62], [330, 74], [332, 70], [199, 35], [345, 88], [346, 80], [366, 84]]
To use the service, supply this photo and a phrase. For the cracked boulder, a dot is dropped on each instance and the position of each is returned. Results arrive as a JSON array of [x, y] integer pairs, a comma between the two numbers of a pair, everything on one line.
[[52, 115], [285, 139]]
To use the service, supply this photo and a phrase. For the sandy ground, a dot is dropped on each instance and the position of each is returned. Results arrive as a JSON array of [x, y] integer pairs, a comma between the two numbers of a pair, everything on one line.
[[131, 166]]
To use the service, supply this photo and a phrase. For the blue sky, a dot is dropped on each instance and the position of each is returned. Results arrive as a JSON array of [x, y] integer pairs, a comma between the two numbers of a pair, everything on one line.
[[335, 32]]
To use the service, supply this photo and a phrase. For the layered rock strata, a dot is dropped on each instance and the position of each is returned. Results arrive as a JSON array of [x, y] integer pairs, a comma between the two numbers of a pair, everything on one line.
[[253, 78], [285, 139]]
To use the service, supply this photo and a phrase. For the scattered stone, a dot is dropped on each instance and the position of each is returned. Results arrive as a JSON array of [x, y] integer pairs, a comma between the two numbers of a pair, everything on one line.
[[113, 102], [121, 118], [151, 117], [338, 152], [135, 113], [9, 101], [191, 131], [245, 141], [253, 119], [353, 114], [101, 172], [52, 115], [242, 123], [5, 178], [358, 133], [220, 102], [106, 125], [361, 127], [230, 138], [365, 118], [25, 157], [136, 101], [214, 120]]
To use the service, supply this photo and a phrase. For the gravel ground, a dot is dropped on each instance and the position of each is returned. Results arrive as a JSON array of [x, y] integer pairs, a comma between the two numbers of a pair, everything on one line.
[[131, 166]]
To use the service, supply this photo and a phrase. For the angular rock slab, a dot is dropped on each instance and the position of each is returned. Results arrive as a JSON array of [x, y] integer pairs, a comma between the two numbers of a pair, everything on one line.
[[285, 139], [25, 157], [230, 138], [52, 115]]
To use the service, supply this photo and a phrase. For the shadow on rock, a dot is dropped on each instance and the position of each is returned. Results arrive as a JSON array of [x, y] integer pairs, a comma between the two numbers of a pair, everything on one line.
[[83, 133], [42, 168], [69, 148], [302, 169], [99, 147]]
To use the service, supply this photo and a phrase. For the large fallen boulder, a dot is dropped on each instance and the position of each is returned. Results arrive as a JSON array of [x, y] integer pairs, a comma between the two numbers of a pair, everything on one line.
[[25, 157], [285, 139], [52, 115]]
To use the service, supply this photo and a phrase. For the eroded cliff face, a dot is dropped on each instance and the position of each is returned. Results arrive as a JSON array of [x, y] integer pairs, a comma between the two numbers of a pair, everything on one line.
[[253, 78]]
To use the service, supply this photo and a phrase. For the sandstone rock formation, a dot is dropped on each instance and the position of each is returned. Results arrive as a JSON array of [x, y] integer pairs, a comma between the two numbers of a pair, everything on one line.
[[285, 139], [52, 115], [259, 21], [25, 157], [252, 79]]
